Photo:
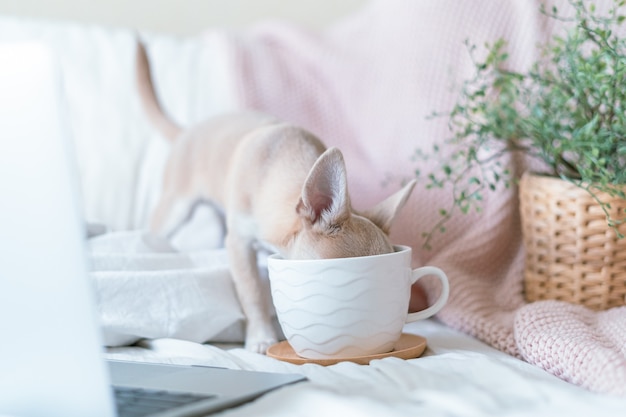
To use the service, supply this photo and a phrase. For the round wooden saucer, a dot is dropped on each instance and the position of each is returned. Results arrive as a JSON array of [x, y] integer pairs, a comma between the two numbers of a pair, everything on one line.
[[409, 346]]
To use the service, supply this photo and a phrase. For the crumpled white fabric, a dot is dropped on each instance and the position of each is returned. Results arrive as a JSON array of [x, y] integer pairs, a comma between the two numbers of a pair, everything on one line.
[[147, 289]]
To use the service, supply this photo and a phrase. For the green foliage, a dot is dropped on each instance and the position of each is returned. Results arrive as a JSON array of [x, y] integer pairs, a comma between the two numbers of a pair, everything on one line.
[[568, 110]]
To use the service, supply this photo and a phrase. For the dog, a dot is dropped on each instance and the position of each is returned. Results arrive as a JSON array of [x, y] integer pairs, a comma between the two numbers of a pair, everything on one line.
[[276, 184]]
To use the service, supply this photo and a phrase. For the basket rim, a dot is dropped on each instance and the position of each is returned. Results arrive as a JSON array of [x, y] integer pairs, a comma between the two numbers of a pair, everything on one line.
[[552, 181]]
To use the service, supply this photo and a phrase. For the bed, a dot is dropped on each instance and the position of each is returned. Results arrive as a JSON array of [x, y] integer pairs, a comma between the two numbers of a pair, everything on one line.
[[489, 353]]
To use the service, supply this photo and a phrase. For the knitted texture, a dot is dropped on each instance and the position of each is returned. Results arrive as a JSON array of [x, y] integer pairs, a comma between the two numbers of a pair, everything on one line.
[[368, 85], [575, 343]]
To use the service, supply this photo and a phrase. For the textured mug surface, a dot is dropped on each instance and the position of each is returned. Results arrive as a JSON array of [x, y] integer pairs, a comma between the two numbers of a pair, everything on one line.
[[330, 308]]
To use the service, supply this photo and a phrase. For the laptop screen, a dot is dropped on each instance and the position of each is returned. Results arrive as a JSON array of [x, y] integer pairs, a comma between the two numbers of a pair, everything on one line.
[[50, 354]]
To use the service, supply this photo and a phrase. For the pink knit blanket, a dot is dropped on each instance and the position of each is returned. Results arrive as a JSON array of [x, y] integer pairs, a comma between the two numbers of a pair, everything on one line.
[[367, 85]]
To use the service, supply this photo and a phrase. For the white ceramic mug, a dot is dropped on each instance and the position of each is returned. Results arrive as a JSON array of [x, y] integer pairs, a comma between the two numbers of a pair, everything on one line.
[[346, 307]]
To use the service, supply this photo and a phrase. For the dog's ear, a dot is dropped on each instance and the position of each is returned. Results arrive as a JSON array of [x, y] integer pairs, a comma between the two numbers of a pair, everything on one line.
[[324, 201], [383, 214]]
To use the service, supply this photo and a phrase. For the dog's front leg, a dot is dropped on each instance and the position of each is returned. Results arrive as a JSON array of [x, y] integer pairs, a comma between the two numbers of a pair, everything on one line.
[[260, 333]]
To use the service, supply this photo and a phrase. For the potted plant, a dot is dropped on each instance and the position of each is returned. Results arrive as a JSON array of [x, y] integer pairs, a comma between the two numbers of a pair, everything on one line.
[[568, 111]]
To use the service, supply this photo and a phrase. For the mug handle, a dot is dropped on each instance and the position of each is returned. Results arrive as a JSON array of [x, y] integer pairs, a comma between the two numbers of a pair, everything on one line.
[[443, 298]]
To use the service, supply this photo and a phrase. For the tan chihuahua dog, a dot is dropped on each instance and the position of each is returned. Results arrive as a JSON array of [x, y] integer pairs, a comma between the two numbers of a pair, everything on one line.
[[276, 183]]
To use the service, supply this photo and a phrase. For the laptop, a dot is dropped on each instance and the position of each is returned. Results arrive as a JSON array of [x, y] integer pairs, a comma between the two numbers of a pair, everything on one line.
[[51, 354]]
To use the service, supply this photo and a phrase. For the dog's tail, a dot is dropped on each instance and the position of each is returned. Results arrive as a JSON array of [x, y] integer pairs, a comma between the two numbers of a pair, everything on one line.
[[147, 93]]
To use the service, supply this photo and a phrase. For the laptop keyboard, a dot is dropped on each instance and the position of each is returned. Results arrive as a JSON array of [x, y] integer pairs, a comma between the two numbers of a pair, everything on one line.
[[139, 402]]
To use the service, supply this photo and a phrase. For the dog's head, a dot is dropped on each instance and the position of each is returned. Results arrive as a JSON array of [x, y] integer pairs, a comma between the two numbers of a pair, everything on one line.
[[330, 228]]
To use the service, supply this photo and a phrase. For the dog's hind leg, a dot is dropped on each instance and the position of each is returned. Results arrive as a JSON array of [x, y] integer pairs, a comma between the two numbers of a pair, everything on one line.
[[170, 214]]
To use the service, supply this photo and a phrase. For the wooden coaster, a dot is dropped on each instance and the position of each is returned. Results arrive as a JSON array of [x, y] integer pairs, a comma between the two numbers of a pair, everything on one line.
[[409, 346]]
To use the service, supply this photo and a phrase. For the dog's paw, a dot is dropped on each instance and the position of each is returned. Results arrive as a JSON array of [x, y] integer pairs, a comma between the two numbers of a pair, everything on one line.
[[260, 337], [260, 345]]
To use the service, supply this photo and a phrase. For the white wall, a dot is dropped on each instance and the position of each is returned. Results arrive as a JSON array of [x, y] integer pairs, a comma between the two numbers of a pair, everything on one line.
[[184, 17]]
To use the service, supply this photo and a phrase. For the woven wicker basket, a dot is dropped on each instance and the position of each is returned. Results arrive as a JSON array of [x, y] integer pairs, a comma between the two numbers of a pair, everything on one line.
[[571, 253]]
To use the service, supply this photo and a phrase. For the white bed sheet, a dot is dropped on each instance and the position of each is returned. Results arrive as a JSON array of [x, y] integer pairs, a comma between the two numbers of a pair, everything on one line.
[[456, 376]]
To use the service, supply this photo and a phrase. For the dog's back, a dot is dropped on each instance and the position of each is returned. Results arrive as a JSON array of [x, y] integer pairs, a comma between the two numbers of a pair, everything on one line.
[[201, 157]]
